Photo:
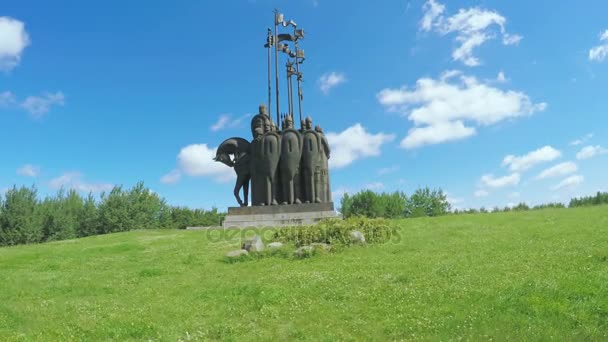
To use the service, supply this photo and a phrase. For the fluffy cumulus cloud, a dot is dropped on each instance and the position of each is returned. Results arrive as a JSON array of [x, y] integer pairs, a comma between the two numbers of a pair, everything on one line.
[[355, 143], [28, 170], [527, 161], [561, 169], [472, 27], [38, 106], [598, 53], [500, 182], [436, 133], [74, 180], [448, 108], [13, 40], [196, 160], [330, 80], [569, 183], [590, 151]]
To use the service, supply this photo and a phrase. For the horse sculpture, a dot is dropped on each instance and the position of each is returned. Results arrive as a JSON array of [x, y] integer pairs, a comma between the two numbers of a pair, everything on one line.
[[240, 150]]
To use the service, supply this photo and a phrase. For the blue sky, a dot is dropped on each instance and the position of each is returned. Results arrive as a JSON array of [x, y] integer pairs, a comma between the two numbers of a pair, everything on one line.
[[495, 102]]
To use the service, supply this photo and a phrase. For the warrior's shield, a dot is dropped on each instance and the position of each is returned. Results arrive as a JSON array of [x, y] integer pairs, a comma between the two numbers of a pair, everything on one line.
[[310, 150], [271, 153], [291, 153], [310, 160]]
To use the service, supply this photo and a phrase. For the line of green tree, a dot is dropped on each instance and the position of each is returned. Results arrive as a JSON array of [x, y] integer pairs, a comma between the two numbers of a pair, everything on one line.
[[519, 207], [26, 219], [598, 199], [427, 202], [423, 202]]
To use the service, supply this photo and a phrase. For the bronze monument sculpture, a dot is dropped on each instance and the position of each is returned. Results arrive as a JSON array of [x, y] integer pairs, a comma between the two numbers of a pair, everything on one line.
[[286, 166]]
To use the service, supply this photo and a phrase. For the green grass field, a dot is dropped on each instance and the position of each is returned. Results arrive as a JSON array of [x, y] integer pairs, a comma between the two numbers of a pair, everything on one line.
[[535, 275]]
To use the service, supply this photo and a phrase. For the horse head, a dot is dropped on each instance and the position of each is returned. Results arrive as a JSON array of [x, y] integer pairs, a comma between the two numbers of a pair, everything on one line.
[[223, 157], [231, 146]]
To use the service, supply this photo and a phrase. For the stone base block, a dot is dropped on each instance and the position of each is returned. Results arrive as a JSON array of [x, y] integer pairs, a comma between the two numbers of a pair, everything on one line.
[[278, 215]]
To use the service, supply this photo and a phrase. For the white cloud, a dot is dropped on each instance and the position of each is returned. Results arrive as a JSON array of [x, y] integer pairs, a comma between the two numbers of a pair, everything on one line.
[[561, 169], [386, 170], [28, 170], [525, 162], [172, 177], [582, 140], [472, 27], [599, 53], [432, 11], [222, 121], [73, 180], [330, 80], [436, 133], [226, 121], [6, 99], [196, 160], [355, 143], [570, 182], [501, 78], [13, 40], [588, 152], [511, 39], [492, 182], [481, 193], [445, 109], [37, 106]]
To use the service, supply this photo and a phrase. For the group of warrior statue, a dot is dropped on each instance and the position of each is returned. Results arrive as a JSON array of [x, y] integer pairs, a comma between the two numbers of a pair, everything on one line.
[[287, 166]]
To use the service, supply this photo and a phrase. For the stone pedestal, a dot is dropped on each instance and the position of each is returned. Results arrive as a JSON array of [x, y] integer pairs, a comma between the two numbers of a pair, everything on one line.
[[278, 215]]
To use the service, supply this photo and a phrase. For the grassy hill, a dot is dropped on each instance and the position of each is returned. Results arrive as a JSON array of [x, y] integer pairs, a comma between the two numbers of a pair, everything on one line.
[[506, 276]]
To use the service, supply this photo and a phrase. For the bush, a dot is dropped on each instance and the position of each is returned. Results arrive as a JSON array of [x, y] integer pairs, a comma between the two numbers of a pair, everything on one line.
[[60, 215], [337, 232], [182, 217], [424, 202], [549, 205], [521, 207], [25, 219], [18, 223]]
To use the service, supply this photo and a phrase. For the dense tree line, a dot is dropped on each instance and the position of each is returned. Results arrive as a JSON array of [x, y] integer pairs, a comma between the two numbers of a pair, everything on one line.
[[26, 219], [598, 199], [427, 202], [518, 207], [423, 202]]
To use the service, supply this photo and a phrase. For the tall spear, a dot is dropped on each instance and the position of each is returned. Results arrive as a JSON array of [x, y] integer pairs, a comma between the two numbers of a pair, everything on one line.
[[278, 18], [290, 72], [269, 43], [299, 54]]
